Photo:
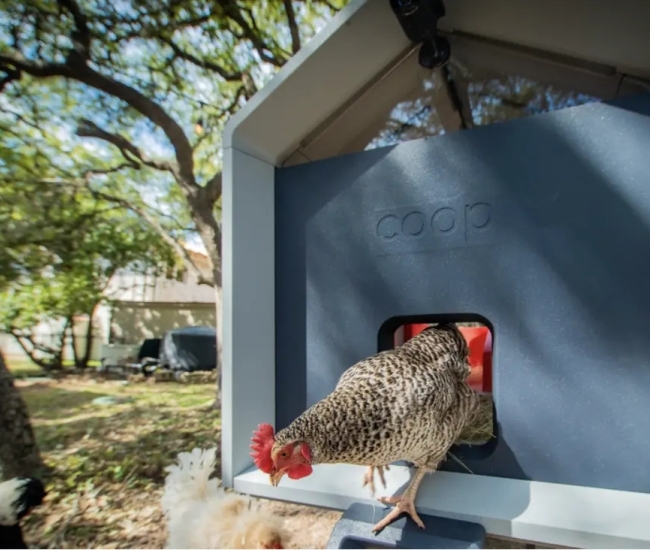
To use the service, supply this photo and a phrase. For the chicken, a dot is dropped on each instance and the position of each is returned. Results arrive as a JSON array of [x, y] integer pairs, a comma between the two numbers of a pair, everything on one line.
[[410, 403], [18, 496], [201, 514]]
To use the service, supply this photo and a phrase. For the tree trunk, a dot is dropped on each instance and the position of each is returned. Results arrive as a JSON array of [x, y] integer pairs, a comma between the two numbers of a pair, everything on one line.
[[85, 359], [63, 341], [30, 347], [19, 454], [73, 343], [210, 232]]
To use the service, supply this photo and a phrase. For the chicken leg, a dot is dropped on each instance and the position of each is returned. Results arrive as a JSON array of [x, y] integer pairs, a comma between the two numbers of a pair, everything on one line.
[[369, 477], [403, 503]]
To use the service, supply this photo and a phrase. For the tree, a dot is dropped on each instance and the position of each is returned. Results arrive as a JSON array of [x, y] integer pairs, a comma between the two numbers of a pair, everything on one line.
[[484, 98], [154, 83], [62, 270], [19, 454], [60, 244]]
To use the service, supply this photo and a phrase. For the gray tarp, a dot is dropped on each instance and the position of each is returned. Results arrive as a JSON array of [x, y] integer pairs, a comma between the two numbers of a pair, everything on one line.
[[189, 349]]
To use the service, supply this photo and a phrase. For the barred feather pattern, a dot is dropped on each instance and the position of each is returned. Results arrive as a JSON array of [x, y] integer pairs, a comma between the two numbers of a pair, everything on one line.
[[409, 403]]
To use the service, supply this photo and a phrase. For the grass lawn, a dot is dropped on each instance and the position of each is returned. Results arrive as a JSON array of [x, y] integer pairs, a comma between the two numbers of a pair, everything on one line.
[[108, 460], [24, 368]]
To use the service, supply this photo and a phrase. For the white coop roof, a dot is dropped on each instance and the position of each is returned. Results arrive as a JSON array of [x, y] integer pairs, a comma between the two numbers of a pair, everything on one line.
[[581, 44], [331, 99]]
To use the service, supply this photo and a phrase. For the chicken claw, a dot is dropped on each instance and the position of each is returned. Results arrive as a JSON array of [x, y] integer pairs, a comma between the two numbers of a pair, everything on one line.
[[402, 505], [381, 469], [369, 477]]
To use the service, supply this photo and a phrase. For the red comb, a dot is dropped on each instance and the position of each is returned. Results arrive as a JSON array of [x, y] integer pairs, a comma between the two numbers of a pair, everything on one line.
[[263, 439]]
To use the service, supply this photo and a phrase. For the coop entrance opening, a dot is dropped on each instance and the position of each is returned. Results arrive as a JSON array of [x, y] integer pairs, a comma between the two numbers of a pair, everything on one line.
[[479, 334]]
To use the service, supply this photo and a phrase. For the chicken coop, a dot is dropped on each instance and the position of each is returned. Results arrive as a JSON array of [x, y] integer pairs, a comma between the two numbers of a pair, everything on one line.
[[495, 171]]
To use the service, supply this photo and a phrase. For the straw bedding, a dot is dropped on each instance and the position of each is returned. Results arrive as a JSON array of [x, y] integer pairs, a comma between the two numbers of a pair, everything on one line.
[[481, 428]]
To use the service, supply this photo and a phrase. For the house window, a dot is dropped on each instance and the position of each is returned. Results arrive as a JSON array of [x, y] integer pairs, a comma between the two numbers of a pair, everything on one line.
[[181, 275], [176, 274]]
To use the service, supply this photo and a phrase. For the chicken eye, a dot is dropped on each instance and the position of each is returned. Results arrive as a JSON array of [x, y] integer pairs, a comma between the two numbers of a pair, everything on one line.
[[284, 454]]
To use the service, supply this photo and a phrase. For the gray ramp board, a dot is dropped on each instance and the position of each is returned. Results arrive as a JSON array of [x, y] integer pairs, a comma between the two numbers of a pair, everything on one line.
[[541, 225], [353, 530]]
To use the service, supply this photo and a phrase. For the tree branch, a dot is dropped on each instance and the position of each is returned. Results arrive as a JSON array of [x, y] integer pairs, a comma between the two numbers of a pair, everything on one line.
[[149, 109], [77, 69], [293, 26], [181, 252], [179, 249], [35, 347], [213, 189], [130, 152], [233, 11], [331, 6], [228, 109], [223, 73], [250, 88], [13, 60], [145, 31], [20, 118], [110, 170], [81, 35], [11, 74]]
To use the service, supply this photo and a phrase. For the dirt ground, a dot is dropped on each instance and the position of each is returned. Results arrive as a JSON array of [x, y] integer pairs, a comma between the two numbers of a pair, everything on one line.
[[108, 462], [307, 527], [108, 443], [311, 527]]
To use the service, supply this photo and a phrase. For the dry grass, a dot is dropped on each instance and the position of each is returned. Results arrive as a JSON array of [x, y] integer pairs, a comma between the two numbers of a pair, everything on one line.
[[108, 462], [481, 429], [21, 367]]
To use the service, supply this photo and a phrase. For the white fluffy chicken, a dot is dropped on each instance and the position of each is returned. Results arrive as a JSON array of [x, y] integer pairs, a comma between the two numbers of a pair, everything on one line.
[[201, 514], [17, 498]]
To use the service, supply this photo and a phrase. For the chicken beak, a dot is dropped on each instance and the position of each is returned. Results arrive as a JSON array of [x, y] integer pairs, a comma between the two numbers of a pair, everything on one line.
[[275, 477]]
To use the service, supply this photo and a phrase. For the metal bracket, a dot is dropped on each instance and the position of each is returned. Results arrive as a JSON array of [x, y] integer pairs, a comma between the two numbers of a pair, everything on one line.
[[419, 21]]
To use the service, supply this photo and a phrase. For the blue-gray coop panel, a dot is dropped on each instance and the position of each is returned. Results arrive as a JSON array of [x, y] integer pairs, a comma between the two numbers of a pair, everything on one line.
[[540, 225], [353, 531]]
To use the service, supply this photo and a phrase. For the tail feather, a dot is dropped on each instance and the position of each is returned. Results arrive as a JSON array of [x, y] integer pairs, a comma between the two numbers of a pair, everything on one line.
[[201, 514], [17, 497], [189, 480]]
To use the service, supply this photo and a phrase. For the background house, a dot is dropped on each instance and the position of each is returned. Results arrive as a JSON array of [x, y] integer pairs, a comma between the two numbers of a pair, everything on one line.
[[142, 305]]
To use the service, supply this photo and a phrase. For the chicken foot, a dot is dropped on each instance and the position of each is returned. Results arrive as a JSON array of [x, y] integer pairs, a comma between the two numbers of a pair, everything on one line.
[[369, 477], [404, 503]]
